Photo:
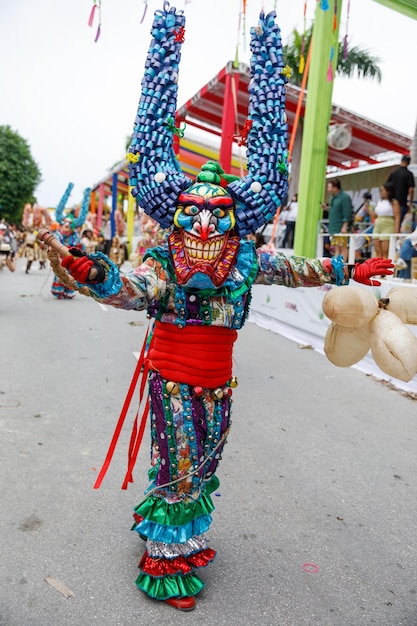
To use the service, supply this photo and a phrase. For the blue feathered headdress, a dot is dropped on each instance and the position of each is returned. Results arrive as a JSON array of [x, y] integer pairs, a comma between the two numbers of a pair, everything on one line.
[[155, 175], [60, 214]]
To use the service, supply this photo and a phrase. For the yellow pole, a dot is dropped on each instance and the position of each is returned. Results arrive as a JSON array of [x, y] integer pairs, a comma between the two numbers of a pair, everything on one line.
[[130, 219]]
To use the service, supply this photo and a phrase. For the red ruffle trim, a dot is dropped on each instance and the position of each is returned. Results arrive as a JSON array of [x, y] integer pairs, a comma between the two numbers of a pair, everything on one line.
[[138, 518], [158, 568]]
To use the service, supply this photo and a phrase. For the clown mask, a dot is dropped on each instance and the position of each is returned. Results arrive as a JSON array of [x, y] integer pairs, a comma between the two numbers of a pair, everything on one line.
[[67, 226], [202, 245]]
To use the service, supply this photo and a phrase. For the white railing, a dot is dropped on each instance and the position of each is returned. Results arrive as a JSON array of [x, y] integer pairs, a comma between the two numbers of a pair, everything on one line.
[[353, 237]]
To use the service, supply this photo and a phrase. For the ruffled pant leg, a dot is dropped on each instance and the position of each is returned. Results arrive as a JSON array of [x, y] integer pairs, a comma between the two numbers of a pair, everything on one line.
[[188, 434], [61, 291]]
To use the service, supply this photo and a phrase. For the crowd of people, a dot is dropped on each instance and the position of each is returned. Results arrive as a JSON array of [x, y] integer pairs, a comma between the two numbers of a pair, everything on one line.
[[392, 213], [20, 241], [372, 222]]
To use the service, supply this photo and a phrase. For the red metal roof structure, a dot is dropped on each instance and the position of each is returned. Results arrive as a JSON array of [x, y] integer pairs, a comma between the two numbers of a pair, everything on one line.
[[221, 107]]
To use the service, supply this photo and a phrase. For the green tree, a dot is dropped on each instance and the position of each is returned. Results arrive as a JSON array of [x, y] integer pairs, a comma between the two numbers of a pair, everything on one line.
[[19, 175], [358, 61]]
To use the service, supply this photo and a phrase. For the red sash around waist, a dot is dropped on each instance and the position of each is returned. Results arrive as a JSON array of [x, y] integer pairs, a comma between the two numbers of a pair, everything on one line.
[[193, 355]]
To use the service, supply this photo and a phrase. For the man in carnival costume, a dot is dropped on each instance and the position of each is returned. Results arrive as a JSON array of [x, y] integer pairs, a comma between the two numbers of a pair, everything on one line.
[[197, 287], [69, 236]]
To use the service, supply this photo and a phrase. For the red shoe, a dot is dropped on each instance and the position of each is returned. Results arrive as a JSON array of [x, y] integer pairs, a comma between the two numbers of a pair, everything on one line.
[[182, 604]]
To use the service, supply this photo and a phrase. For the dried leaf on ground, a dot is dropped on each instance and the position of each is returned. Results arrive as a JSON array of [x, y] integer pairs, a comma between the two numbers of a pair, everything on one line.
[[56, 584]]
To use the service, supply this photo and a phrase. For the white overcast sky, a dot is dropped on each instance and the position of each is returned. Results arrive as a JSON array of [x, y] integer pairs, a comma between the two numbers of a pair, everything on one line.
[[75, 100]]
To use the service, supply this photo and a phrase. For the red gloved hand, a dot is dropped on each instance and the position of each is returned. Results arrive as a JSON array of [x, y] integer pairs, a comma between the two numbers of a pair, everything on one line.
[[78, 266], [363, 272]]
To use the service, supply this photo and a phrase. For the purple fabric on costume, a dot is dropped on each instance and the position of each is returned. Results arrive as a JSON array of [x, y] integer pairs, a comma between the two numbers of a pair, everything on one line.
[[180, 445]]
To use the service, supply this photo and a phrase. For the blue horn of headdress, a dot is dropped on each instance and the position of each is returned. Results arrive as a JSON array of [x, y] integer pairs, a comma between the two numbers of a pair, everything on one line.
[[59, 211], [79, 221], [258, 195], [155, 174]]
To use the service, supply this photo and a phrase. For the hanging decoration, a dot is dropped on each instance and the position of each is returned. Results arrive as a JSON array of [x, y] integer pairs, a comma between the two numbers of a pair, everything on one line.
[[303, 42], [241, 136], [345, 40], [244, 23], [95, 8], [241, 32], [300, 102], [330, 73], [144, 11]]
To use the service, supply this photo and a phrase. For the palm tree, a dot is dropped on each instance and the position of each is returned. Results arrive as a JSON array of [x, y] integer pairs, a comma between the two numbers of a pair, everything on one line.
[[357, 60]]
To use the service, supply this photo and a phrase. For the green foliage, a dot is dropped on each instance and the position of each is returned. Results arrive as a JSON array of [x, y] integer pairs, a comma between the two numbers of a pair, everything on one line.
[[19, 175], [358, 61]]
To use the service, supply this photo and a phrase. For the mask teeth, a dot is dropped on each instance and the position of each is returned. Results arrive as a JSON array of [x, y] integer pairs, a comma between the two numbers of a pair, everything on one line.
[[203, 250]]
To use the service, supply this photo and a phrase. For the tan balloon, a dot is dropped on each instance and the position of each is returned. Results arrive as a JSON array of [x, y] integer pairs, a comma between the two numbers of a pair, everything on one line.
[[350, 306], [345, 346], [393, 346], [403, 302]]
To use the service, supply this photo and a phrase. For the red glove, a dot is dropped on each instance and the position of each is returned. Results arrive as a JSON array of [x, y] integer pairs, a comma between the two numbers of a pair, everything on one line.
[[363, 272], [78, 266]]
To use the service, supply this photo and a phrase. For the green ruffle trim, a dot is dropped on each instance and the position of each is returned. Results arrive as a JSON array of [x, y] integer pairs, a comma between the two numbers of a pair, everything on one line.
[[170, 586], [178, 513]]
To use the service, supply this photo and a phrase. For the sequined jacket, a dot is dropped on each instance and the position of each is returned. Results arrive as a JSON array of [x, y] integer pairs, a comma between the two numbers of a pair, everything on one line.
[[152, 286]]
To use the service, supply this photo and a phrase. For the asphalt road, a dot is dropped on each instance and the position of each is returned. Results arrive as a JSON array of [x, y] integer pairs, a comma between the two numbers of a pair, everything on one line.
[[315, 520]]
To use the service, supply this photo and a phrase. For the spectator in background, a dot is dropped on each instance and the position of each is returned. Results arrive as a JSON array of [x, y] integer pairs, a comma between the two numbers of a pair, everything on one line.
[[29, 249], [340, 217], [88, 241], [362, 223], [363, 212], [407, 252], [281, 227], [408, 223], [117, 251], [291, 215], [7, 255], [387, 215], [259, 240], [403, 181]]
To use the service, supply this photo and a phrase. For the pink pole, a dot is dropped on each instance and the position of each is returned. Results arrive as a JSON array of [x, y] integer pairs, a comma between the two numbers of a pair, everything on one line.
[[100, 204]]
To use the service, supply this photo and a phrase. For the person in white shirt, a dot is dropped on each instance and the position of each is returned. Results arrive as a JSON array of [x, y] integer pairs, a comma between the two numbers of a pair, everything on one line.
[[387, 213]]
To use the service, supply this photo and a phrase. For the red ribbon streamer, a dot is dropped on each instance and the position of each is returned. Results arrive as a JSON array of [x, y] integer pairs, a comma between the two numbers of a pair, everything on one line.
[[122, 416], [134, 446]]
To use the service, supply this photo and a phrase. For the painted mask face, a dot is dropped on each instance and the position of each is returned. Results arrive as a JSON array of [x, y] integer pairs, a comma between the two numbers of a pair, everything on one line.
[[66, 227], [202, 242]]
